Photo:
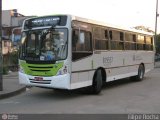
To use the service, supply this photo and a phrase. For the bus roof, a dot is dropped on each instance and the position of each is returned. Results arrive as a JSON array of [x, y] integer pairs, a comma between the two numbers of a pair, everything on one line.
[[109, 25]]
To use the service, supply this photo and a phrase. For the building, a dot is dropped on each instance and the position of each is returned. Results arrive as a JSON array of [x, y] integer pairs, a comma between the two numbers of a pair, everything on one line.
[[10, 20], [11, 33]]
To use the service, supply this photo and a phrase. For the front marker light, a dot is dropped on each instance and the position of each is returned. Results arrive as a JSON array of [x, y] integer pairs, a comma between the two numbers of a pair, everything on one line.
[[65, 70], [62, 71]]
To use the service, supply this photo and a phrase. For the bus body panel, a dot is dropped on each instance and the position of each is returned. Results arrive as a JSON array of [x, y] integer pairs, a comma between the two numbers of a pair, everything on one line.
[[117, 64]]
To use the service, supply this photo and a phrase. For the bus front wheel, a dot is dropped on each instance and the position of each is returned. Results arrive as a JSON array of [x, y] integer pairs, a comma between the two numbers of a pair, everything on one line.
[[97, 82]]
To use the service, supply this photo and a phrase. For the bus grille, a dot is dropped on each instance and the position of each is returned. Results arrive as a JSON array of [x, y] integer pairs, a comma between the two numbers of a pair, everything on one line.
[[40, 82], [40, 69]]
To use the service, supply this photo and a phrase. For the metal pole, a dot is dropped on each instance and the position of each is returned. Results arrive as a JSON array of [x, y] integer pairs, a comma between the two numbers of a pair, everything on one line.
[[1, 60], [156, 21]]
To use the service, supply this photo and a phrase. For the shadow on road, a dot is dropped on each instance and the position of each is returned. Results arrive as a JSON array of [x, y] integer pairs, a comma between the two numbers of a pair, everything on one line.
[[118, 83], [58, 94]]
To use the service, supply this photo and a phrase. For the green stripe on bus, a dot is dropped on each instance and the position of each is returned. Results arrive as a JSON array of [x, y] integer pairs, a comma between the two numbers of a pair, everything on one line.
[[39, 69]]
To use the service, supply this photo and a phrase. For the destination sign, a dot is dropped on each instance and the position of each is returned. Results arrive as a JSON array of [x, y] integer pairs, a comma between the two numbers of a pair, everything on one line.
[[45, 21]]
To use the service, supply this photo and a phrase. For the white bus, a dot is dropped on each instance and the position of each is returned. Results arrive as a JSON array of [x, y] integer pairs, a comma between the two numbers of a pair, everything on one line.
[[69, 52]]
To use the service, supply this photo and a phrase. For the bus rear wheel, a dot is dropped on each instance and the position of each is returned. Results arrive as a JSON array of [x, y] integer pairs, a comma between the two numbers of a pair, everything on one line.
[[97, 82], [140, 76]]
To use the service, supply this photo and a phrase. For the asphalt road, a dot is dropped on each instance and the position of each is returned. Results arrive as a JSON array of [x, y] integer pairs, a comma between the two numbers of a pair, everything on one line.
[[124, 96]]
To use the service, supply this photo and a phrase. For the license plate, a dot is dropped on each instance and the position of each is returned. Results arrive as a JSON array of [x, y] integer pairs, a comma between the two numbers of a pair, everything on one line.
[[38, 78]]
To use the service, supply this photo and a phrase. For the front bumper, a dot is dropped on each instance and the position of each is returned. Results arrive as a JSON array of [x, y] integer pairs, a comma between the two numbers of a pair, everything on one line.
[[60, 82]]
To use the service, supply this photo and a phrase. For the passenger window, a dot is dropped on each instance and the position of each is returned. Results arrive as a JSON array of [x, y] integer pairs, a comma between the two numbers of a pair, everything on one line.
[[101, 38], [81, 44]]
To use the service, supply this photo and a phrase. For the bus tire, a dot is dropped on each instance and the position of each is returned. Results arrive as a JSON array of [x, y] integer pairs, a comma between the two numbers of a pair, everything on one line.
[[140, 76], [97, 82]]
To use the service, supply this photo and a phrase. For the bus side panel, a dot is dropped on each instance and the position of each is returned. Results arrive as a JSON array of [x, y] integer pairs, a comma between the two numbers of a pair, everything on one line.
[[82, 73], [122, 64], [118, 65]]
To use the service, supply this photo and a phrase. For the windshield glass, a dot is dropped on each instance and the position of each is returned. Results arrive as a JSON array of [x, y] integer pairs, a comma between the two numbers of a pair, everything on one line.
[[44, 45]]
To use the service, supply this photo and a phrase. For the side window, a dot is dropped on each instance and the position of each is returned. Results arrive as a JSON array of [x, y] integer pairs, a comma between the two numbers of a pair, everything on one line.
[[130, 41], [81, 44], [106, 34], [149, 43], [101, 38], [121, 36], [75, 37], [140, 42], [110, 34], [117, 40]]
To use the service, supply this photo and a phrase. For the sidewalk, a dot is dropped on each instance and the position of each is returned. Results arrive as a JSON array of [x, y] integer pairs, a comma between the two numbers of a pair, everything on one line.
[[11, 85]]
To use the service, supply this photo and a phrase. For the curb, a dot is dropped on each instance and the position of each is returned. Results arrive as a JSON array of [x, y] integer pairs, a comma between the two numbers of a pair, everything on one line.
[[11, 94]]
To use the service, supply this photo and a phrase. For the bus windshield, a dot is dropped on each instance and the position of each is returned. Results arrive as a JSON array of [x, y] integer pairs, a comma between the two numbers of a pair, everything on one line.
[[44, 45]]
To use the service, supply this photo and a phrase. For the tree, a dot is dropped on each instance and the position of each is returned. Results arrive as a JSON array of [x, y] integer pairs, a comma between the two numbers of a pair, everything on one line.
[[143, 28]]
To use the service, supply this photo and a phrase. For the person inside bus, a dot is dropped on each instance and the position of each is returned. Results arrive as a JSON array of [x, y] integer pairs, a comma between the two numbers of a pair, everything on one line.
[[47, 49], [58, 44]]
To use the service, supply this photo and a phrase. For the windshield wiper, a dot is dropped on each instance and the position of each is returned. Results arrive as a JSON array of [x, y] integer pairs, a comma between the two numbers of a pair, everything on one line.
[[48, 30]]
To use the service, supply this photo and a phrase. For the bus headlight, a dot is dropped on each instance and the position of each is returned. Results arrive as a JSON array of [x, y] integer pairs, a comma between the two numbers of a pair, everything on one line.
[[63, 71]]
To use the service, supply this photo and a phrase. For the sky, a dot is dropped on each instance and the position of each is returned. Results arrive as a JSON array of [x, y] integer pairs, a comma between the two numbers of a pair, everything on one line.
[[125, 13]]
